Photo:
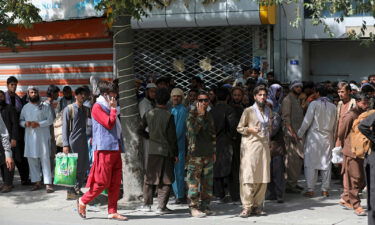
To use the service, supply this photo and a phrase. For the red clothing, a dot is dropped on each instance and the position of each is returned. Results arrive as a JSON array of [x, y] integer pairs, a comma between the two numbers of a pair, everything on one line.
[[105, 173], [102, 117]]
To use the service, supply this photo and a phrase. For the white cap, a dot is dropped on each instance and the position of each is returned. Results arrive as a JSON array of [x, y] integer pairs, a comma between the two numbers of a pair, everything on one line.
[[151, 85]]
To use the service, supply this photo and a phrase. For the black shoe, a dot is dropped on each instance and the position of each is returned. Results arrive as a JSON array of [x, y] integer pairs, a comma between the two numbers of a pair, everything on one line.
[[271, 198], [292, 191], [26, 182], [299, 187], [180, 201], [224, 200], [280, 200]]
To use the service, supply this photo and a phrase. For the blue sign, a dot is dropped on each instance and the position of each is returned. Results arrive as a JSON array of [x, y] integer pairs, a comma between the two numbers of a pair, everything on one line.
[[294, 62]]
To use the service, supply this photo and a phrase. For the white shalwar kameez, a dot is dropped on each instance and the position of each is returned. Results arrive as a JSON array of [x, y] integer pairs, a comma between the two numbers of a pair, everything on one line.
[[37, 140], [319, 123]]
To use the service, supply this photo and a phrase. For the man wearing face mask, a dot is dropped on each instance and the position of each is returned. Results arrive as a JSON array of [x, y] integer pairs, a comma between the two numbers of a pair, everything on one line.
[[255, 126], [9, 115], [36, 117]]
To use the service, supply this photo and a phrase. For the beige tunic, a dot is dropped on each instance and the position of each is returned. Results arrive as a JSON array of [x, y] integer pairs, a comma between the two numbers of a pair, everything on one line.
[[292, 114], [255, 152]]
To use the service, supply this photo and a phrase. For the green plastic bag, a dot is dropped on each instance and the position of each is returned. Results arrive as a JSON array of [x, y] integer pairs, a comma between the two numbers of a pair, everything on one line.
[[66, 169]]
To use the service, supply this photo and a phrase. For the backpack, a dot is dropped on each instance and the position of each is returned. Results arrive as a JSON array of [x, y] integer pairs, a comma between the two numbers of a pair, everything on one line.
[[360, 145]]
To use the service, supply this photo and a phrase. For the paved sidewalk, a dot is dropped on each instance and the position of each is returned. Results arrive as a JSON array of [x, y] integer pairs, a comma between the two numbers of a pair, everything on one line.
[[22, 207]]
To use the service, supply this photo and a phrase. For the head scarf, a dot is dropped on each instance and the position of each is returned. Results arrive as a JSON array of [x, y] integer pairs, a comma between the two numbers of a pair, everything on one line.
[[272, 96], [177, 91]]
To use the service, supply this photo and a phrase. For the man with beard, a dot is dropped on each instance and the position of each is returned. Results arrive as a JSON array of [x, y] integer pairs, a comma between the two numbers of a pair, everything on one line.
[[292, 116], [11, 98], [36, 117], [353, 162], [9, 115], [144, 106], [225, 126], [255, 126], [180, 112], [318, 125], [234, 182], [345, 104]]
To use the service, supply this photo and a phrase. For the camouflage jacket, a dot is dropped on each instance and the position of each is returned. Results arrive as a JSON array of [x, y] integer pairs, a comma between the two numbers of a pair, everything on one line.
[[200, 134]]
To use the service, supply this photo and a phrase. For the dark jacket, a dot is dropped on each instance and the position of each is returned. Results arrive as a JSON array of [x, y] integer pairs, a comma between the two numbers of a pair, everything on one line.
[[225, 126], [161, 132], [367, 127], [11, 120]]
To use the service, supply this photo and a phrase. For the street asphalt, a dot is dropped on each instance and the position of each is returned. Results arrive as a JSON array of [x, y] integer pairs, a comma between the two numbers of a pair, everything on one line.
[[23, 207]]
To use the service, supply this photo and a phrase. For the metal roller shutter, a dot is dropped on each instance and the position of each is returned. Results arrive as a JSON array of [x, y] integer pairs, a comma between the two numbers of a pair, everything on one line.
[[213, 53]]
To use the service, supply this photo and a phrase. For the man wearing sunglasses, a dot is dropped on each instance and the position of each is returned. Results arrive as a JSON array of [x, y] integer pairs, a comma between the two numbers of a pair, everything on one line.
[[200, 157]]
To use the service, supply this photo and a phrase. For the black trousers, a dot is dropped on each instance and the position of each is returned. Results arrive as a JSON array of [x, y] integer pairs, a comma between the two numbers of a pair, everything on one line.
[[370, 181], [234, 178], [220, 183], [20, 161], [276, 187], [7, 175]]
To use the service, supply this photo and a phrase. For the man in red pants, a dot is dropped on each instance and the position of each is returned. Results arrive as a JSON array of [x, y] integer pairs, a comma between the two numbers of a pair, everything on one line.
[[106, 170]]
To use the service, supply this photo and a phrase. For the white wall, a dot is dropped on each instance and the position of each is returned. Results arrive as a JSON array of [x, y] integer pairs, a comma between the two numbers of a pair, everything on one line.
[[337, 60]]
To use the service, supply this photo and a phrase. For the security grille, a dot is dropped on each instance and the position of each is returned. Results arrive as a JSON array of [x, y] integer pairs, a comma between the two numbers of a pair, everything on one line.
[[213, 53]]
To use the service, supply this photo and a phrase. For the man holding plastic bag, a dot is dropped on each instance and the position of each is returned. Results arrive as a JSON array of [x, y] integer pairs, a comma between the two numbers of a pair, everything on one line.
[[74, 135]]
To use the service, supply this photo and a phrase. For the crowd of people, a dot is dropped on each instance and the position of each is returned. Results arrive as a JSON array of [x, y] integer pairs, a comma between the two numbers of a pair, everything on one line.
[[244, 140]]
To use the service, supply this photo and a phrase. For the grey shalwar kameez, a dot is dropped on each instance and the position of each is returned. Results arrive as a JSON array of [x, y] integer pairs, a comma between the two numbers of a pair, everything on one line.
[[76, 137]]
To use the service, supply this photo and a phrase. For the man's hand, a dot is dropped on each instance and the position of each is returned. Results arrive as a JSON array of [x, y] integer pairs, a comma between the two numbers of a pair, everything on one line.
[[10, 163], [176, 159], [214, 157], [66, 149], [28, 124], [254, 130], [13, 143], [113, 102], [200, 109], [34, 124]]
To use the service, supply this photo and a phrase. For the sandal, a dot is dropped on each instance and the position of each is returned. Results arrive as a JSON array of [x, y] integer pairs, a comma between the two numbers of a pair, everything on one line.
[[81, 209], [259, 212], [345, 205], [309, 194], [37, 186], [6, 189], [116, 216], [360, 211], [245, 213], [49, 188]]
